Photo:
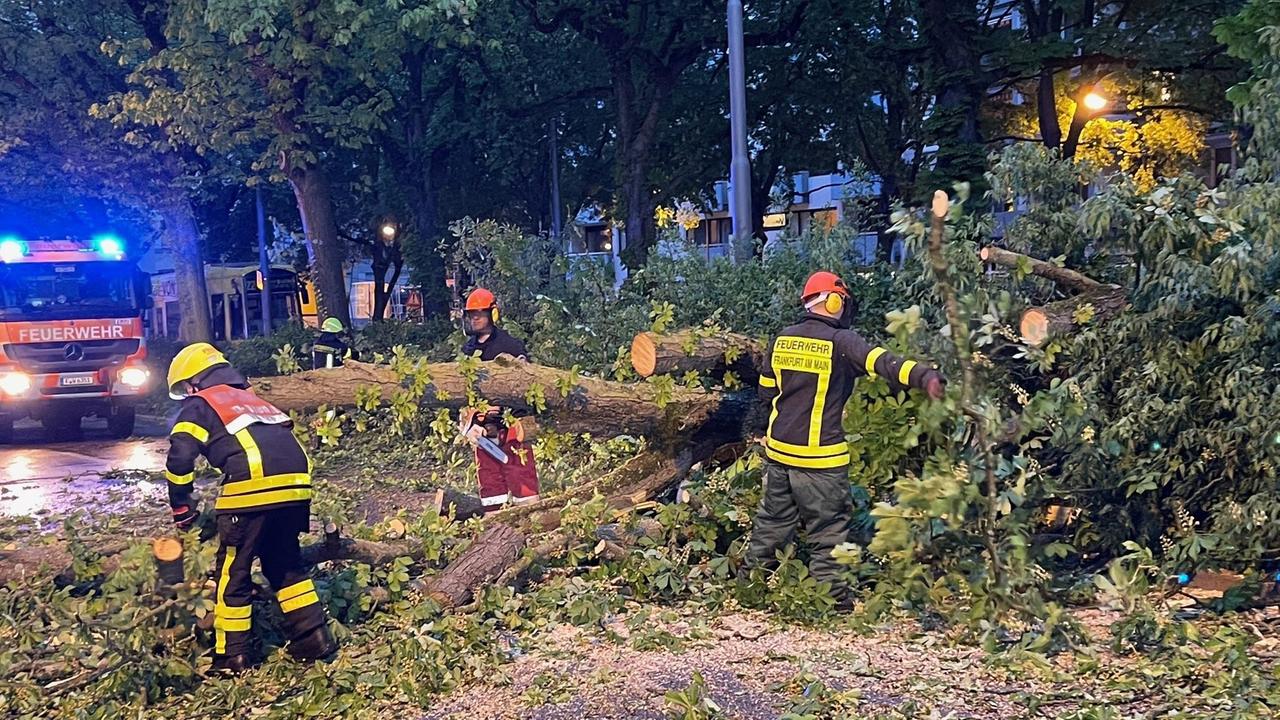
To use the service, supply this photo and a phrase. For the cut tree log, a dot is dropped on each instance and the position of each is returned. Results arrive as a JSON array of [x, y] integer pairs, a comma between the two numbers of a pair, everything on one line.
[[1038, 324], [167, 552], [1064, 277], [591, 405], [691, 350]]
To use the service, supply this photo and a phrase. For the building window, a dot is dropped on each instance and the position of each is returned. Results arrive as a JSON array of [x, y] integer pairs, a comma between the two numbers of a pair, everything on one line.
[[712, 231], [594, 239]]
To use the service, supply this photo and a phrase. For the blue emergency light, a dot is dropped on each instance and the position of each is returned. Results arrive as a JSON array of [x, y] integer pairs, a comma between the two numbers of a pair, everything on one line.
[[11, 248], [1183, 578], [109, 245]]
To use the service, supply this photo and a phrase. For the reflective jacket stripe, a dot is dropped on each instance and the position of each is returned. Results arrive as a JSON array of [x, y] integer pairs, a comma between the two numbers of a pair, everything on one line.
[[262, 499], [192, 429]]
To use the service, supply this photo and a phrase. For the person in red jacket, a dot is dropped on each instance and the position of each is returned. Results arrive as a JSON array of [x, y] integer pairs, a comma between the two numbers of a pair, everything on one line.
[[512, 476]]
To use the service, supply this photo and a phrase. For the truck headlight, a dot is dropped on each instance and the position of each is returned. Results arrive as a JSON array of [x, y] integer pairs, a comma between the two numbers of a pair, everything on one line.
[[134, 377], [15, 383]]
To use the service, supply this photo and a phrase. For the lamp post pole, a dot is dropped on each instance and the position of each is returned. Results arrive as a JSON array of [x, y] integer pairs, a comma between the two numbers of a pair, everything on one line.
[[740, 167], [264, 265]]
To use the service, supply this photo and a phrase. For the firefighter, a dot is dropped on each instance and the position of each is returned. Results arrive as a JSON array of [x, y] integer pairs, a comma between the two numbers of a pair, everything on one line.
[[264, 503], [808, 376], [515, 480], [330, 349]]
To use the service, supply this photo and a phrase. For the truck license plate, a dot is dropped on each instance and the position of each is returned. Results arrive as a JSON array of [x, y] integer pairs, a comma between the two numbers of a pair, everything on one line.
[[77, 380]]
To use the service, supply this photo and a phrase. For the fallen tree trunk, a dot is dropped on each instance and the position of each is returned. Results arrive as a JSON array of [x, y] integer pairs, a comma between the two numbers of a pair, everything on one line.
[[1038, 324], [690, 350], [492, 552], [24, 564], [591, 405]]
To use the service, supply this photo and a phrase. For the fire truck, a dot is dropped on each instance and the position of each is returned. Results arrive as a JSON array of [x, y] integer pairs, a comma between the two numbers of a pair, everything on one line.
[[72, 342]]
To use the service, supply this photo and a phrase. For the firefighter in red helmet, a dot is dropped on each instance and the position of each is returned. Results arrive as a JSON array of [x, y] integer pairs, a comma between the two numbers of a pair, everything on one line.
[[808, 376]]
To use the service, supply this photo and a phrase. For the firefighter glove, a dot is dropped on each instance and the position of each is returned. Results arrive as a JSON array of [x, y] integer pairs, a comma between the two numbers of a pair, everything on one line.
[[185, 516]]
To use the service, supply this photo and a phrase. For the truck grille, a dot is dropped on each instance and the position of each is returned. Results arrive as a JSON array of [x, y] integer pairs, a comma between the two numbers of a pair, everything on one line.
[[75, 356]]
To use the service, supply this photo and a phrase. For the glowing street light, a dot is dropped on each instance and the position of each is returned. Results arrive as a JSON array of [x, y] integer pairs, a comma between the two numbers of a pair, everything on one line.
[[1095, 102]]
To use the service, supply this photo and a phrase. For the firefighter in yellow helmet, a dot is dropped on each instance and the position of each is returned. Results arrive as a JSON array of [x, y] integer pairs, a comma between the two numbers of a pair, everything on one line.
[[330, 349], [807, 377], [264, 503]]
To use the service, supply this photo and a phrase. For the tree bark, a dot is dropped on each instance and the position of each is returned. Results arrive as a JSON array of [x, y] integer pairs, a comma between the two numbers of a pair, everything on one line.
[[315, 206], [1038, 324], [487, 557], [684, 351], [1047, 110], [592, 406], [182, 236], [637, 127]]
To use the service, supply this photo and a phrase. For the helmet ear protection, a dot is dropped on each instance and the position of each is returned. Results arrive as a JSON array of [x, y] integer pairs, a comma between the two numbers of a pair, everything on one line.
[[834, 303], [494, 313]]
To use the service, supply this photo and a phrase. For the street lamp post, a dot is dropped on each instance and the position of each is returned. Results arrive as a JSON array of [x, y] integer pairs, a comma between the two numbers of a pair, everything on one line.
[[740, 166], [264, 264]]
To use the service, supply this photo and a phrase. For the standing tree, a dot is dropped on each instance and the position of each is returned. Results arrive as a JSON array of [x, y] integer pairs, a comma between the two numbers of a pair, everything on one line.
[[54, 72], [298, 81], [647, 46]]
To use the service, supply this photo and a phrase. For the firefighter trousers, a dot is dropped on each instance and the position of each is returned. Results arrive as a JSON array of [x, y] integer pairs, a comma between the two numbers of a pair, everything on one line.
[[515, 481], [817, 501], [272, 537]]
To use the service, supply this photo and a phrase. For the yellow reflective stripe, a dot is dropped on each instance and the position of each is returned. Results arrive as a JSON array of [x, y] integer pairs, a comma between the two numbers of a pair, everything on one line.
[[303, 600], [180, 479], [904, 373], [233, 612], [272, 482], [226, 625], [773, 404], [294, 590], [766, 381], [251, 453], [219, 633], [191, 429], [808, 450], [872, 357], [811, 463], [238, 502], [819, 405]]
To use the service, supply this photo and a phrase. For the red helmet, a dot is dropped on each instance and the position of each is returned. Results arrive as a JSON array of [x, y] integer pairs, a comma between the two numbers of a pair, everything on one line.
[[481, 299], [823, 282]]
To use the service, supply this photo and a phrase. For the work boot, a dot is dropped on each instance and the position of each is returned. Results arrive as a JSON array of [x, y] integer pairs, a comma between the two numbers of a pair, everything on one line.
[[315, 645], [231, 664]]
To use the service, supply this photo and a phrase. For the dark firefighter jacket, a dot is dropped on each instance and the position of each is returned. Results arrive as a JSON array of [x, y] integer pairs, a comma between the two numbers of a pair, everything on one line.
[[808, 376], [250, 441], [500, 342], [329, 345]]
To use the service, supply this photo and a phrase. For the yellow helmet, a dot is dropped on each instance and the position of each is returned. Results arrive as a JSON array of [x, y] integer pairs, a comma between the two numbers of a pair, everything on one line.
[[190, 362]]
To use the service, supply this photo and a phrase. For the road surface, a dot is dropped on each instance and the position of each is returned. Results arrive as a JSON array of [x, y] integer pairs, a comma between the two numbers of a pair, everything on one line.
[[38, 476]]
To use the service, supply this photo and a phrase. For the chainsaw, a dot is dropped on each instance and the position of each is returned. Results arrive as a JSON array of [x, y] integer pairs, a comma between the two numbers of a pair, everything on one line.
[[475, 435]]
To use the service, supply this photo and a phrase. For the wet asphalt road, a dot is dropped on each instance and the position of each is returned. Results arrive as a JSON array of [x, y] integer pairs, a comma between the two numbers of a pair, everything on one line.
[[38, 475]]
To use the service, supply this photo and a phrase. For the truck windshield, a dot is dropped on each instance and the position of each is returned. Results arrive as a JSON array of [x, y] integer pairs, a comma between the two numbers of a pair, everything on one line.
[[49, 291]]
